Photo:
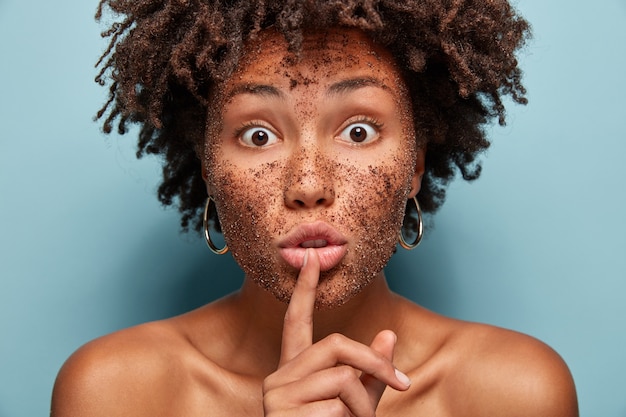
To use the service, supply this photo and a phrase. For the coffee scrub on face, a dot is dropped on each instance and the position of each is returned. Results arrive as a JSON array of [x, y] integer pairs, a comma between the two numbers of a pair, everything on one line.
[[366, 185]]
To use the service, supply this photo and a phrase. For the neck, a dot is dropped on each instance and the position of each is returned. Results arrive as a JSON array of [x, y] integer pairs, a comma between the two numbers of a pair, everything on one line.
[[260, 321]]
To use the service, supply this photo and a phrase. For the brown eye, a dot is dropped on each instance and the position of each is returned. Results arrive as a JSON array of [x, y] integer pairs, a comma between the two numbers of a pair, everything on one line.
[[361, 132], [258, 137], [358, 134]]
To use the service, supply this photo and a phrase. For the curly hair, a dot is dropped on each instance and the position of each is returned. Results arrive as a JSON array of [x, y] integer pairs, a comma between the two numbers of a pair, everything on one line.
[[165, 58]]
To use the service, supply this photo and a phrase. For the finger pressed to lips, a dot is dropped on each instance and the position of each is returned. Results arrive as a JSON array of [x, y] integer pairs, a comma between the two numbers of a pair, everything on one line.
[[298, 322]]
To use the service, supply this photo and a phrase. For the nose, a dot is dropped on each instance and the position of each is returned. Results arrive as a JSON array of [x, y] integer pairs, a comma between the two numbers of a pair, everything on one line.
[[310, 181]]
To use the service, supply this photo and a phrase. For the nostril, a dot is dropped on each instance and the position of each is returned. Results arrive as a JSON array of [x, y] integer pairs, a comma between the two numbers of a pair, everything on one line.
[[320, 201], [300, 203]]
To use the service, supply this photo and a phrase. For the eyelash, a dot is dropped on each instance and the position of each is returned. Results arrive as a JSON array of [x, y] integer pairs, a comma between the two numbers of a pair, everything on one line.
[[375, 123], [248, 125], [365, 119]]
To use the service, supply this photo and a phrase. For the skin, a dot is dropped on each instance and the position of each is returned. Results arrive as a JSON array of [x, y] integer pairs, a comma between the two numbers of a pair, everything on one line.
[[310, 169], [311, 340]]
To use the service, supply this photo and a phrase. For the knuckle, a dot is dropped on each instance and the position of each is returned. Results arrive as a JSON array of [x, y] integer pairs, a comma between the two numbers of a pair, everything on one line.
[[345, 375], [380, 361], [335, 339], [268, 384], [292, 319], [336, 408], [269, 401]]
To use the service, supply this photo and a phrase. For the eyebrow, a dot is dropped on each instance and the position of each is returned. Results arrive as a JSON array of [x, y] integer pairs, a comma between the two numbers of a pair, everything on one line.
[[256, 89], [338, 88], [352, 84]]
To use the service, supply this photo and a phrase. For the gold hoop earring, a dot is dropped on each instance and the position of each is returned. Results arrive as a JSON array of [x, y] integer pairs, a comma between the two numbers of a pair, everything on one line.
[[415, 227], [205, 226]]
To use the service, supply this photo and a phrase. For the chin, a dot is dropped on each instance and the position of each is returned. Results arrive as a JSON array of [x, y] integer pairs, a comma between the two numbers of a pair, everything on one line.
[[340, 285], [336, 287]]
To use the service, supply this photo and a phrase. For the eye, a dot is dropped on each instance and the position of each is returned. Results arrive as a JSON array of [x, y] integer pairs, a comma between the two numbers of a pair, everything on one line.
[[257, 136], [360, 132]]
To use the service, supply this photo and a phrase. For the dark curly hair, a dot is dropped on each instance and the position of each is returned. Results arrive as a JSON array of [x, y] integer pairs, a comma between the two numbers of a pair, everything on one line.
[[165, 58]]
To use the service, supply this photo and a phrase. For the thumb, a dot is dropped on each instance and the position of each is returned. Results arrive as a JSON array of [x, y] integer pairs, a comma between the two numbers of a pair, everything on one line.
[[384, 343]]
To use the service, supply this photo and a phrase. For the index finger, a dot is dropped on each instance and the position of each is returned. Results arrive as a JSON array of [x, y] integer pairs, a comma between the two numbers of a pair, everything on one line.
[[298, 324]]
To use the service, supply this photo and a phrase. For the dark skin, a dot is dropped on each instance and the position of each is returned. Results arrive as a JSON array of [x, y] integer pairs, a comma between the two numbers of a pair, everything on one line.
[[324, 353], [455, 368]]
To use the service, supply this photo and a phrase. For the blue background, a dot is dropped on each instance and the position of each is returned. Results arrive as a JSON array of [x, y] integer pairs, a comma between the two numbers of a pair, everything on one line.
[[536, 245]]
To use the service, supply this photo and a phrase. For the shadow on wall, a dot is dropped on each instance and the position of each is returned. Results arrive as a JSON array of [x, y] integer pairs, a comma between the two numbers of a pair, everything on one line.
[[170, 273], [424, 276], [205, 278]]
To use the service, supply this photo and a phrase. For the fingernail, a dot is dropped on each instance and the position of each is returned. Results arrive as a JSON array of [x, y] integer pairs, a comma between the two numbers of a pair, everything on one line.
[[403, 378], [306, 257]]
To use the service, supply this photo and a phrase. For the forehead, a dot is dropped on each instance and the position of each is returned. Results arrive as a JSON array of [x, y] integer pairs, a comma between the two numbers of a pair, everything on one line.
[[324, 55]]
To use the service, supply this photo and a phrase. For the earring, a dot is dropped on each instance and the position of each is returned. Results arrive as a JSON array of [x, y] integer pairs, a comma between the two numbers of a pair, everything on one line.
[[205, 226], [411, 226]]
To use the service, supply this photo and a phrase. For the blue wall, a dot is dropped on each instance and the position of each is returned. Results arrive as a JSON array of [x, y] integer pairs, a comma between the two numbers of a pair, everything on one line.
[[537, 244]]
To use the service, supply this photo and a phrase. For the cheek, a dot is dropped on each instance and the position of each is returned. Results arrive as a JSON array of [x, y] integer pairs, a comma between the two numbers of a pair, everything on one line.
[[381, 189], [376, 204], [248, 204], [371, 209], [246, 200]]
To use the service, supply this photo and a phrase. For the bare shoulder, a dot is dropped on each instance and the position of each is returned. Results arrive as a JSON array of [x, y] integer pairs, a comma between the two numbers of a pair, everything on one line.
[[502, 372], [130, 372]]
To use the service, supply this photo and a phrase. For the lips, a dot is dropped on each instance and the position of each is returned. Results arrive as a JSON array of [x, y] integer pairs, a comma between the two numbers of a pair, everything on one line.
[[330, 245]]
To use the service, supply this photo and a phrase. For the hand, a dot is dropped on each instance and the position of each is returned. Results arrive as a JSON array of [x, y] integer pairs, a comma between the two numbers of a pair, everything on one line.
[[322, 379]]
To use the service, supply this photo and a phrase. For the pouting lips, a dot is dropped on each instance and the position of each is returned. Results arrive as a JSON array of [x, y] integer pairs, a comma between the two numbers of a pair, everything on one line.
[[330, 245]]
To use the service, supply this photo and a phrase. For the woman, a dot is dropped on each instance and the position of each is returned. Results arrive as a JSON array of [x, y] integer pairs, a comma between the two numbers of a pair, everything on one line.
[[309, 126]]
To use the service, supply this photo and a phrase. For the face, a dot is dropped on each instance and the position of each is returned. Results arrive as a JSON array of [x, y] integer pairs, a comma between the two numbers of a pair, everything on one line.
[[317, 151]]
